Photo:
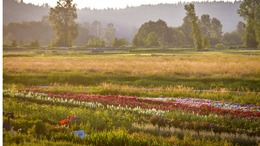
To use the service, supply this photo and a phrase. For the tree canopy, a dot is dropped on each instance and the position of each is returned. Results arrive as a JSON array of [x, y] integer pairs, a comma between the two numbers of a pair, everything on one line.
[[62, 18], [248, 9]]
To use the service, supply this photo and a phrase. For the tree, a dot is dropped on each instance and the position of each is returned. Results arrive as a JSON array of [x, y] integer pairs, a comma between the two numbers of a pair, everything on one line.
[[14, 44], [152, 40], [96, 28], [257, 24], [90, 43], [34, 44], [159, 27], [248, 9], [186, 29], [178, 37], [232, 39], [109, 33], [205, 23], [195, 31], [62, 18], [241, 27], [96, 42], [216, 31], [235, 37], [119, 42], [21, 43]]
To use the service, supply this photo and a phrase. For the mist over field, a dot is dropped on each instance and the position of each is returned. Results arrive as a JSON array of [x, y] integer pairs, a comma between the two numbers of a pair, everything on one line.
[[126, 21], [185, 74]]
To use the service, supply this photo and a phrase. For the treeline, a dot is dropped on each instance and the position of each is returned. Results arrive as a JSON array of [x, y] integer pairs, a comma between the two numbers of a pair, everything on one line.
[[204, 32], [200, 33], [150, 34], [24, 34], [159, 34]]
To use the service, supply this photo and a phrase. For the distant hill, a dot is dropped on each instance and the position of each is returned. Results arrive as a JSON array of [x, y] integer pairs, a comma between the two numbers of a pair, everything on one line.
[[17, 12], [125, 20]]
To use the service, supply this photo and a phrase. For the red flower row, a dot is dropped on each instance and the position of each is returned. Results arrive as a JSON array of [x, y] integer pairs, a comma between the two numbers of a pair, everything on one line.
[[132, 102]]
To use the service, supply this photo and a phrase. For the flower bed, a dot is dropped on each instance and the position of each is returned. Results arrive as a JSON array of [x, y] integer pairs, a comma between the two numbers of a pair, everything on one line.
[[191, 105]]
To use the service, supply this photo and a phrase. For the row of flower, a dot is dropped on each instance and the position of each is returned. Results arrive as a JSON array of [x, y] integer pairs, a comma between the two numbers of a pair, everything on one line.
[[162, 122], [201, 107], [44, 98], [220, 104]]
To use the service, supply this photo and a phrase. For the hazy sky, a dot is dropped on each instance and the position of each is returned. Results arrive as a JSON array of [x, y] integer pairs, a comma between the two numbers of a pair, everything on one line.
[[100, 4]]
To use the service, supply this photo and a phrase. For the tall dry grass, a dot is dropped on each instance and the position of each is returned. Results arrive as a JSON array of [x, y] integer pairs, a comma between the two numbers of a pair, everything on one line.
[[197, 65]]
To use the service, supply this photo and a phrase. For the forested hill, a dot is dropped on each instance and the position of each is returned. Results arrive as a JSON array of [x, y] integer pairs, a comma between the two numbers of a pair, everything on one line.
[[17, 12], [131, 17]]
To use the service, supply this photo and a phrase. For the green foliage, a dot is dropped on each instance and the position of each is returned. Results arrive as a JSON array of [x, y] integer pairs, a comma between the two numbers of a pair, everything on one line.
[[248, 9], [63, 22], [257, 24], [109, 33], [157, 33], [159, 28], [14, 44], [186, 29], [211, 30], [96, 42], [119, 42], [205, 24], [250, 36], [232, 39], [216, 31], [195, 31], [241, 29], [25, 32], [34, 44], [152, 40], [220, 46]]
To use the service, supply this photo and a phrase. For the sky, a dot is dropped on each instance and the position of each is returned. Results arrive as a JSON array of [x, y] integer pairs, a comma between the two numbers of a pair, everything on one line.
[[101, 4]]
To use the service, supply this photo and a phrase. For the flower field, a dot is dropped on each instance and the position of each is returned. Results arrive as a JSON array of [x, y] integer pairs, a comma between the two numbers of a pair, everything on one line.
[[198, 115]]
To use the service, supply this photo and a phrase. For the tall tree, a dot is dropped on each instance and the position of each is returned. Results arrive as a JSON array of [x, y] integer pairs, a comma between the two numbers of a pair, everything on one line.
[[205, 25], [109, 33], [186, 29], [248, 9], [257, 24], [62, 18], [241, 30], [96, 28], [195, 31], [216, 31]]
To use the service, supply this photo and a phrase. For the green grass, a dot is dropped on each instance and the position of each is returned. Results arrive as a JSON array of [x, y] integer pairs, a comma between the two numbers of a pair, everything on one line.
[[95, 78]]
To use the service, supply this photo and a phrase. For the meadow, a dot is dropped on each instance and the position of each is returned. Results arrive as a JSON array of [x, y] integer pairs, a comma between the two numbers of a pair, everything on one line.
[[225, 85]]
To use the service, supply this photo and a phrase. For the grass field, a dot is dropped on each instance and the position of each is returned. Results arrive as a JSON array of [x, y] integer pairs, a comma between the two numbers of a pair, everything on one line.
[[222, 75], [234, 70]]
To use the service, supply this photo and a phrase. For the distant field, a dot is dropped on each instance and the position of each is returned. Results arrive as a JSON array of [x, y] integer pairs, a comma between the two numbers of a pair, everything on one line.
[[234, 70], [198, 65]]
